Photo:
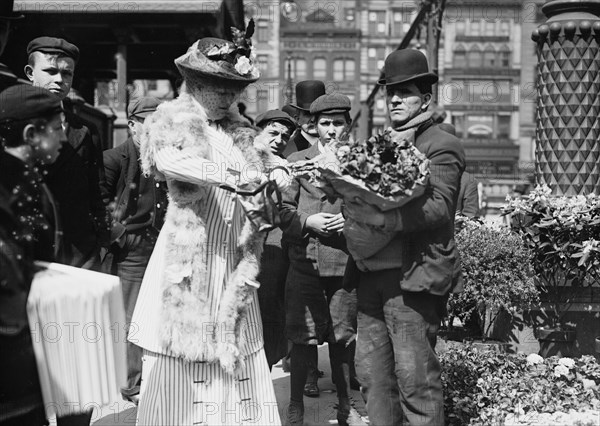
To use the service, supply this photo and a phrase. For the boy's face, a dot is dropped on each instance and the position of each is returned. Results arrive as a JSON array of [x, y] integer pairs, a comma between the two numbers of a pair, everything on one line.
[[279, 136], [53, 72]]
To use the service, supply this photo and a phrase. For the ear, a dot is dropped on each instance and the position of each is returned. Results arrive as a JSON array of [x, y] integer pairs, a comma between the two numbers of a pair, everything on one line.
[[29, 134], [29, 72], [427, 97]]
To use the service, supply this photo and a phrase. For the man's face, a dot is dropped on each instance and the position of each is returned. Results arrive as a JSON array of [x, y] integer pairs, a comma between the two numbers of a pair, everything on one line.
[[52, 72], [405, 102], [45, 144], [279, 135], [330, 127], [136, 125], [306, 122]]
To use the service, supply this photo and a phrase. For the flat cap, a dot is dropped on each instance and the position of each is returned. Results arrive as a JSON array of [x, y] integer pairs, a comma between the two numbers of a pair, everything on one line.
[[23, 102], [142, 107], [53, 45], [275, 115], [331, 104]]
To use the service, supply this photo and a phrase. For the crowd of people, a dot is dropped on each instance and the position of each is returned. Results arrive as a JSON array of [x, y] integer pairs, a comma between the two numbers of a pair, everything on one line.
[[221, 277]]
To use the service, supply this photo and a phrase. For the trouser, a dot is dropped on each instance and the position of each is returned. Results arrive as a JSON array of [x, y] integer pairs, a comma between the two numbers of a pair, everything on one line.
[[130, 263], [396, 361]]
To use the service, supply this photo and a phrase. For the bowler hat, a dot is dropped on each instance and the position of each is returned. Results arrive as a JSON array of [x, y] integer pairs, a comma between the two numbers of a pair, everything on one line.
[[6, 10], [306, 92], [142, 107], [406, 65], [213, 58], [275, 115], [53, 45], [24, 101], [331, 104]]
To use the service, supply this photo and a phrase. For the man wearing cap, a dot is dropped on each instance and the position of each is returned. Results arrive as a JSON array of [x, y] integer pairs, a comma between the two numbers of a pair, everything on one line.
[[306, 135], [7, 77], [404, 287], [278, 126], [138, 204], [31, 133], [318, 309], [75, 177]]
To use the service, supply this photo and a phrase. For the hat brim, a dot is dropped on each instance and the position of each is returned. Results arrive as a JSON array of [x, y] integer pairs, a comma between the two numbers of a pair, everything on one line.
[[333, 111], [143, 114], [428, 77], [194, 65], [13, 16], [300, 108]]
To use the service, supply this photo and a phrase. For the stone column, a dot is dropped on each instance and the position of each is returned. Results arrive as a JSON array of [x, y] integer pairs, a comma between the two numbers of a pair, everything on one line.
[[568, 105]]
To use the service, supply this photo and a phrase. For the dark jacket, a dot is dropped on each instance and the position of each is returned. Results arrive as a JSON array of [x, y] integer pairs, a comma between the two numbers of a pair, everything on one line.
[[300, 202], [468, 197], [126, 186], [424, 247], [296, 143], [74, 179]]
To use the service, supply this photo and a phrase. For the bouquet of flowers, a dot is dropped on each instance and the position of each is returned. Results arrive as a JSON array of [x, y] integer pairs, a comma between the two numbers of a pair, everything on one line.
[[386, 170]]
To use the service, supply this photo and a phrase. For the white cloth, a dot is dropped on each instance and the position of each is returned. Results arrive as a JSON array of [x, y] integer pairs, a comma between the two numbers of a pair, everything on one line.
[[179, 393]]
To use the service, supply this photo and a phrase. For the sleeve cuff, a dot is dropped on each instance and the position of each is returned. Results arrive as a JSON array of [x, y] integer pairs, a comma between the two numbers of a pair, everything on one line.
[[393, 221]]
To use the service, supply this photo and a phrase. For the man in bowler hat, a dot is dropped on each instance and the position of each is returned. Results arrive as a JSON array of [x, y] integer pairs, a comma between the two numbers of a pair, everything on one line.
[[403, 288], [75, 177], [306, 135], [7, 16]]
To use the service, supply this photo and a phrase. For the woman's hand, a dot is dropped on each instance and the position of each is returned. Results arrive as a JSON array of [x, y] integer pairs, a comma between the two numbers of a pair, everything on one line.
[[336, 223]]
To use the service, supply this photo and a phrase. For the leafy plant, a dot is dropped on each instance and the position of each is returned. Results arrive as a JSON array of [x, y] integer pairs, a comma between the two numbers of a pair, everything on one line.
[[497, 274], [387, 165], [487, 387], [563, 234]]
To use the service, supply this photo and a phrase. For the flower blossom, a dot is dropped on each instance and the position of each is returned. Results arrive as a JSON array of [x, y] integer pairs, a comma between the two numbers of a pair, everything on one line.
[[567, 362], [243, 65], [588, 384], [534, 359], [561, 370]]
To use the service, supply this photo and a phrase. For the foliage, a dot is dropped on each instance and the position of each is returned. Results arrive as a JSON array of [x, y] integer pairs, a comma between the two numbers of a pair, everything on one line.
[[484, 387], [497, 273], [386, 164], [563, 234]]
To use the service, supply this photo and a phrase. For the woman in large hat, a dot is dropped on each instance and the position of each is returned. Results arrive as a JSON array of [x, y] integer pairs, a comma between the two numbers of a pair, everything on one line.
[[197, 317]]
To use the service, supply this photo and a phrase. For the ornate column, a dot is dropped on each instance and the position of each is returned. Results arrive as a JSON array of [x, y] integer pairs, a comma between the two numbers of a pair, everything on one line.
[[568, 105]]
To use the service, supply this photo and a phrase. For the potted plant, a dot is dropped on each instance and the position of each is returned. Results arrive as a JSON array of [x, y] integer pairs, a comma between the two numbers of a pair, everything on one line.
[[563, 235], [497, 275]]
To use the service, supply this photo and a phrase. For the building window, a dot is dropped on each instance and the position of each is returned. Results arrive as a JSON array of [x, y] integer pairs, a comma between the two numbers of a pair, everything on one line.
[[489, 28], [460, 27], [397, 27], [505, 56], [505, 27], [489, 57], [349, 14], [474, 57], [377, 22], [343, 69], [320, 69], [380, 104], [480, 126], [262, 31], [262, 100], [263, 65], [459, 59], [504, 126], [298, 68], [475, 28], [376, 59]]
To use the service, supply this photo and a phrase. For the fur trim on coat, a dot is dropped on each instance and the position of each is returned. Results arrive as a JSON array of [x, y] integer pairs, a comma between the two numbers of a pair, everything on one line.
[[185, 313]]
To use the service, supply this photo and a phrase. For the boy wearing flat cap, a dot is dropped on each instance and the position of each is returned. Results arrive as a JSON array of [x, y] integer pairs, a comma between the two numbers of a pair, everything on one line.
[[31, 133], [138, 204], [312, 227], [75, 177], [279, 126], [404, 287]]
